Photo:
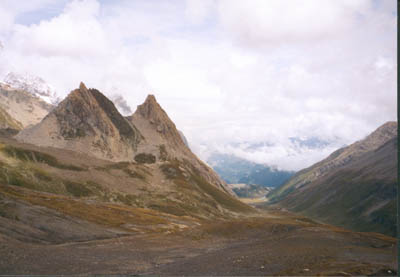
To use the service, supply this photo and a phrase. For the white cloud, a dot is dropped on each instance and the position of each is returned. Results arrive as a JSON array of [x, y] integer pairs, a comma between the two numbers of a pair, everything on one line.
[[75, 33], [225, 71], [197, 11], [288, 21]]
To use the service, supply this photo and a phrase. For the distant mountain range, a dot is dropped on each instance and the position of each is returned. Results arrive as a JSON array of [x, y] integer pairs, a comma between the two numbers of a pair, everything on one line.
[[355, 187], [256, 179]]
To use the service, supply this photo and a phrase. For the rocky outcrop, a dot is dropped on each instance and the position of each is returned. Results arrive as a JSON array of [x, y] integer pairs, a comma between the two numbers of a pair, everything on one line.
[[86, 121], [7, 122], [159, 121]]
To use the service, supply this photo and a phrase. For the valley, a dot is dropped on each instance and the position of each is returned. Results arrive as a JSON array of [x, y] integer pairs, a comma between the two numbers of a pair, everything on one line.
[[44, 218], [263, 243], [85, 190]]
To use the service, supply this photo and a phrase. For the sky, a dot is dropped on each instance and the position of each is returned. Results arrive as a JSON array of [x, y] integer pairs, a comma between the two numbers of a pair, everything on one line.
[[238, 77]]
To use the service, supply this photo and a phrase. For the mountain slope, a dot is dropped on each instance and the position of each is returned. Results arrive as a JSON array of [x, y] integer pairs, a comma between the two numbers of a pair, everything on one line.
[[143, 165], [355, 187], [7, 122], [164, 142], [23, 106]]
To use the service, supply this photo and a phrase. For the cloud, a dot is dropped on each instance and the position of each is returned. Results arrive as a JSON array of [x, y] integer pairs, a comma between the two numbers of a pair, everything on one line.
[[121, 104], [76, 33], [227, 72], [197, 11], [288, 21]]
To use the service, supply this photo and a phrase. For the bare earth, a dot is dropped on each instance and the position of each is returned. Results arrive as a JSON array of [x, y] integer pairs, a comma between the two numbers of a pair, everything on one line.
[[275, 243]]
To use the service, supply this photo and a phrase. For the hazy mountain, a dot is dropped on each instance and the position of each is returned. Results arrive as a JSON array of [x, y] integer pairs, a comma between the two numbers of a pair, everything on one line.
[[354, 187], [249, 179], [22, 106], [33, 85], [235, 170], [250, 190]]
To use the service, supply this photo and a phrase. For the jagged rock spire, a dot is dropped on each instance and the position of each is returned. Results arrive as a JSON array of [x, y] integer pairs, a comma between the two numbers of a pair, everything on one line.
[[82, 86], [159, 120]]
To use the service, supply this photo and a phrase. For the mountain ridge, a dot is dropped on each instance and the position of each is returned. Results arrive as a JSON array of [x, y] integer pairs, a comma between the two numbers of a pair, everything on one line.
[[88, 122], [354, 187], [341, 157]]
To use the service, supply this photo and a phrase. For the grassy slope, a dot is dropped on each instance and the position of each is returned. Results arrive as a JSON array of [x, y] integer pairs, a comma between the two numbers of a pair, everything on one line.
[[115, 187], [361, 196]]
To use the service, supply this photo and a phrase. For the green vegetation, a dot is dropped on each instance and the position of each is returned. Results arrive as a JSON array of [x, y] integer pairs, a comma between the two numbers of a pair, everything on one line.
[[125, 167], [171, 170], [73, 133], [348, 206], [221, 197], [145, 158], [163, 153], [134, 174], [106, 214], [77, 189], [29, 176], [196, 188], [35, 156]]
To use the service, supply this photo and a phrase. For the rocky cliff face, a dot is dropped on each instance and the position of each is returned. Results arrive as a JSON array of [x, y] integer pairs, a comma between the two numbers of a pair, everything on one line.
[[86, 121], [355, 187]]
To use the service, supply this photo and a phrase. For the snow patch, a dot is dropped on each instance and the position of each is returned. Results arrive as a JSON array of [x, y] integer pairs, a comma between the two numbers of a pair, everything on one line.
[[34, 85]]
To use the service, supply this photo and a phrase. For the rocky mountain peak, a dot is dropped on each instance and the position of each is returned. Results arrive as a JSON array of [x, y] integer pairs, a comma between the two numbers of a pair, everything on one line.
[[150, 109], [384, 133], [159, 121], [87, 121], [82, 87]]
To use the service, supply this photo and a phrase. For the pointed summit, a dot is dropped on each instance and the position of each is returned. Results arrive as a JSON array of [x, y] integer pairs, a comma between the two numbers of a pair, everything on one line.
[[151, 99], [164, 141], [82, 86], [158, 120], [151, 109], [86, 121]]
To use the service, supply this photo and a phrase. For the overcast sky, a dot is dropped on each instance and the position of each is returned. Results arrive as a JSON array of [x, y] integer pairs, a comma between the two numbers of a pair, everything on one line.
[[226, 71]]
